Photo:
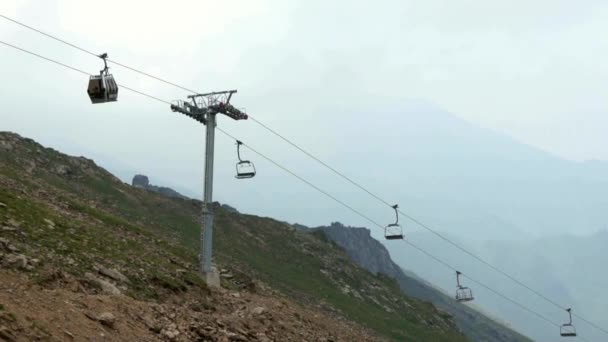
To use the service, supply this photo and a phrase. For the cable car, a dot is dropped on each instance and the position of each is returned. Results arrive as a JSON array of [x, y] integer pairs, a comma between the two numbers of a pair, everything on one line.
[[567, 329], [394, 231], [103, 88], [244, 168], [463, 293]]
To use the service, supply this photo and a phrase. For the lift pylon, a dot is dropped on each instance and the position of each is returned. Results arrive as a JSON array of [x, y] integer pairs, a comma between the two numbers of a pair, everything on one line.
[[204, 108]]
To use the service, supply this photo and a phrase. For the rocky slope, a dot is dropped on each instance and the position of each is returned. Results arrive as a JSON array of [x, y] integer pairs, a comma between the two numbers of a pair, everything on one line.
[[84, 256], [374, 257]]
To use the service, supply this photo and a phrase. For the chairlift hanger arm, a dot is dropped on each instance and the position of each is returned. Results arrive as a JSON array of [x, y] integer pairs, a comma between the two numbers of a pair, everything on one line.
[[104, 57], [396, 206], [238, 150]]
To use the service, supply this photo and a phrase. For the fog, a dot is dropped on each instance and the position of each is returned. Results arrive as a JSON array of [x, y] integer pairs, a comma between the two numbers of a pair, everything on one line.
[[485, 120]]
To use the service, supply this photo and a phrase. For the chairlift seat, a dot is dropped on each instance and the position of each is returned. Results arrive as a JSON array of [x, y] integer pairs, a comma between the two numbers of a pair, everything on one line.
[[464, 294], [567, 330], [245, 169], [393, 232]]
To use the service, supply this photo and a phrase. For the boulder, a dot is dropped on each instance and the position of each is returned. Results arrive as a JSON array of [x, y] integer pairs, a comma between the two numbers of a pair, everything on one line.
[[16, 261], [258, 310], [111, 273], [170, 332], [107, 319], [105, 286]]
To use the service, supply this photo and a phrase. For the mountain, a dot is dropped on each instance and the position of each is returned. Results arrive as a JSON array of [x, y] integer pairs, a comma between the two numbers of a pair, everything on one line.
[[85, 256], [374, 257]]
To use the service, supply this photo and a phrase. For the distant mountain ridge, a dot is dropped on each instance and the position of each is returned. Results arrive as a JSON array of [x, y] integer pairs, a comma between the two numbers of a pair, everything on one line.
[[370, 254]]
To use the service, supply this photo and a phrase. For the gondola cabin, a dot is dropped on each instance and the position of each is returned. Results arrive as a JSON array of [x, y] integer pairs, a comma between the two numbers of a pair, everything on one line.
[[102, 88]]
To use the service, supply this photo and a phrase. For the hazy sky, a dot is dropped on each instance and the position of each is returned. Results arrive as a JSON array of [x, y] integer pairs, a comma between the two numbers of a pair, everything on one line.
[[535, 70], [321, 72]]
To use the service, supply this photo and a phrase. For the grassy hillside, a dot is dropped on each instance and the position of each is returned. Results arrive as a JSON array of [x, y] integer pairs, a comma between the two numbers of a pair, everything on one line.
[[76, 216]]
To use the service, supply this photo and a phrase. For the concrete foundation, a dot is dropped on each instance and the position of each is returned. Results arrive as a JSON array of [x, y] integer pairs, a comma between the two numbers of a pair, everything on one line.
[[212, 279]]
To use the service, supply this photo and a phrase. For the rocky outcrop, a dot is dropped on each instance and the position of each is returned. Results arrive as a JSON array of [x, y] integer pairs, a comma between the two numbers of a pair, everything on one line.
[[363, 249], [141, 181]]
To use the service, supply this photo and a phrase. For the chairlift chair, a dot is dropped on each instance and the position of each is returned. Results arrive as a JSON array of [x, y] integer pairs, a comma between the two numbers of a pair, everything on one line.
[[463, 293], [103, 88], [394, 231], [567, 329], [244, 168]]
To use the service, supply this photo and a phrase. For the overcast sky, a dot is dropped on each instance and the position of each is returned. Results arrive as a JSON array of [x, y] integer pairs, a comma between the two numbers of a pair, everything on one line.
[[314, 70], [535, 70]]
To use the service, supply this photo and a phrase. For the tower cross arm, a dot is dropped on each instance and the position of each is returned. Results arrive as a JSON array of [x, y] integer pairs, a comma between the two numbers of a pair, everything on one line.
[[198, 114], [229, 110]]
